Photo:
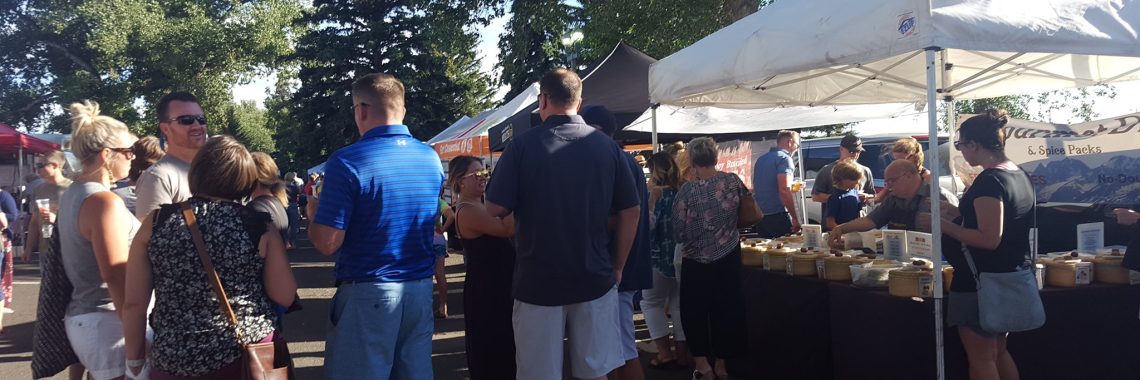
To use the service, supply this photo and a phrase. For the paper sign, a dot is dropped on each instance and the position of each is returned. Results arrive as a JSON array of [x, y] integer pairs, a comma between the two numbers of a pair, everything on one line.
[[813, 235], [919, 245], [868, 240], [894, 244], [1090, 237]]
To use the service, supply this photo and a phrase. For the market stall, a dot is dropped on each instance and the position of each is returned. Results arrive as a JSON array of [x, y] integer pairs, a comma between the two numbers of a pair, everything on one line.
[[834, 52], [18, 147]]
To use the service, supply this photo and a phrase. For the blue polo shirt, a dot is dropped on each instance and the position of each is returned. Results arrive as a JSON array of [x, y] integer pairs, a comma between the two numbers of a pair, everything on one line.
[[562, 180], [765, 186], [383, 192]]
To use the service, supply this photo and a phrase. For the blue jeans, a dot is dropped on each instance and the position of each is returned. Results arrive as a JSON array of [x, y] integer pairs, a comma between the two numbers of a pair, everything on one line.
[[294, 215], [380, 331]]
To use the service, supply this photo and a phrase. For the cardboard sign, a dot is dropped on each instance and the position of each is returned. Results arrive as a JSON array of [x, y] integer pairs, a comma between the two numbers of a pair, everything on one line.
[[813, 236], [919, 245], [1090, 237], [894, 245]]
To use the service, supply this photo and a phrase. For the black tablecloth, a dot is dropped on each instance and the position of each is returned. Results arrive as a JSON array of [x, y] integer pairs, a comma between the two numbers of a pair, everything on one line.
[[789, 330], [1090, 333], [805, 328]]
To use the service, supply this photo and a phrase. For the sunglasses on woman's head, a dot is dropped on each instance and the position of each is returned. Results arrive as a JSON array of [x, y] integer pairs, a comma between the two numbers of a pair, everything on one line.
[[189, 119]]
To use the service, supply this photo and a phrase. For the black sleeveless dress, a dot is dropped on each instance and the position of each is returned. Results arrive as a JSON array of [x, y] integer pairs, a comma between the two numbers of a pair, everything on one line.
[[488, 305]]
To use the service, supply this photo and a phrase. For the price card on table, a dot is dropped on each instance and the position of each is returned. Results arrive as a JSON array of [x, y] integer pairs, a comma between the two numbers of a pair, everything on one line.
[[919, 245], [1090, 237], [894, 244], [813, 235]]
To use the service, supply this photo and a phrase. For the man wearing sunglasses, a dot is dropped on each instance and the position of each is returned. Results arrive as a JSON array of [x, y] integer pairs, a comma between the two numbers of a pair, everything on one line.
[[182, 122], [50, 169]]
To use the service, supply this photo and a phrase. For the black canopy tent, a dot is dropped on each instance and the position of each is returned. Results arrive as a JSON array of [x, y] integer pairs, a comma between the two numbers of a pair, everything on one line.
[[620, 81]]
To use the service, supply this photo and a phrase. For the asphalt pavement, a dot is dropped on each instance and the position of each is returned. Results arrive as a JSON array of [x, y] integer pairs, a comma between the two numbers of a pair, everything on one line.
[[305, 329]]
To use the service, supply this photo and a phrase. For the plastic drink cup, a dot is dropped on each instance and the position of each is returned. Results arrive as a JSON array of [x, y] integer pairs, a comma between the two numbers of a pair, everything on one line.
[[45, 227]]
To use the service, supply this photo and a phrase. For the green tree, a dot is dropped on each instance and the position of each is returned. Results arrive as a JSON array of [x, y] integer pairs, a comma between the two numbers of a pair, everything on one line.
[[427, 44], [531, 44], [125, 54], [249, 124], [657, 27]]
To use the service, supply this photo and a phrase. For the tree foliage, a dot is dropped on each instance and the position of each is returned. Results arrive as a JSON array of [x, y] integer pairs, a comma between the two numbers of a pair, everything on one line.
[[532, 45], [427, 44], [125, 54], [657, 27]]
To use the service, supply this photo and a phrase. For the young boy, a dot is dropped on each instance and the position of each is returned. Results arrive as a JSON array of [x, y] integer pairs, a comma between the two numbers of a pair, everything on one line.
[[844, 205]]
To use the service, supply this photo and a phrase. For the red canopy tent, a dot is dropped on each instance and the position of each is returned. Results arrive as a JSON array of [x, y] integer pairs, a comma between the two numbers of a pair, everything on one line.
[[12, 141]]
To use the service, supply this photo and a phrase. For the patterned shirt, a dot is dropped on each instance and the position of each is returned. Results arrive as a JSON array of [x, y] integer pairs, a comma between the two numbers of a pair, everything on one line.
[[705, 216], [192, 336]]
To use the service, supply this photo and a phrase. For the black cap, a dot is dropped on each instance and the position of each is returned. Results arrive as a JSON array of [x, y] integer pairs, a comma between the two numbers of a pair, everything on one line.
[[601, 117], [852, 143]]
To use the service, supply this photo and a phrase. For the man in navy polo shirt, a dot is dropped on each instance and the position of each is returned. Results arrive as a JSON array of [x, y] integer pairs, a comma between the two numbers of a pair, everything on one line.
[[376, 210], [637, 274], [563, 180]]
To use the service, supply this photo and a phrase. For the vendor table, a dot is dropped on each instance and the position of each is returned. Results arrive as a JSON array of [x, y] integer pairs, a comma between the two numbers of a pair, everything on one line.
[[805, 328], [789, 332]]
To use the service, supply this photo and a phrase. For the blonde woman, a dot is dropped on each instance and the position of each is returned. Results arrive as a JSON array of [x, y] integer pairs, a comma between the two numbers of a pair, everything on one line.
[[95, 230]]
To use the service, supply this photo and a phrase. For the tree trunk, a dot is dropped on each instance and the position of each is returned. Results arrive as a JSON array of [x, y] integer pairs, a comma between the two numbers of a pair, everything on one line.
[[735, 10]]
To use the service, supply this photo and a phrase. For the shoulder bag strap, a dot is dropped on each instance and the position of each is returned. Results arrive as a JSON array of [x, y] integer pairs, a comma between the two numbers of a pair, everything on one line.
[[208, 265]]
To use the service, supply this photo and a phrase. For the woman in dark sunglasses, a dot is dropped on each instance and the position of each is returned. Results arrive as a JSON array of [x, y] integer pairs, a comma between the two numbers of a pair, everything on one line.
[[487, 301], [95, 231]]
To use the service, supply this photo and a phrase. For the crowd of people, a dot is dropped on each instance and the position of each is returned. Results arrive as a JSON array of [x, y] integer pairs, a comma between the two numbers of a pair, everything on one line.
[[558, 243]]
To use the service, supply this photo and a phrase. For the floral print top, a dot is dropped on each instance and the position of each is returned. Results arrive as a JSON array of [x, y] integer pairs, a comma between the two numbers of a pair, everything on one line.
[[705, 215], [662, 242], [192, 336]]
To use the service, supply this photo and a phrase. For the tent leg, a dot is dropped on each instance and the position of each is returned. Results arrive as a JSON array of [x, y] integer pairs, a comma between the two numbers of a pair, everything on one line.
[[935, 207], [803, 198], [653, 136]]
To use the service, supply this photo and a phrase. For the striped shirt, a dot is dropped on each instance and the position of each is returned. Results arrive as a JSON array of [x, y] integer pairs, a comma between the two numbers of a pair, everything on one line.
[[383, 191]]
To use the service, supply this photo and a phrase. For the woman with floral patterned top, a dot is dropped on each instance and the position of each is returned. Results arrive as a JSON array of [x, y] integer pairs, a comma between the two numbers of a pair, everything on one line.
[[704, 223], [193, 337]]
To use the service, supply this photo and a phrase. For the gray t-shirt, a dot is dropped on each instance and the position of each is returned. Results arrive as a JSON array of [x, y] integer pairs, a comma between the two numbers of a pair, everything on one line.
[[899, 214], [90, 293], [167, 181]]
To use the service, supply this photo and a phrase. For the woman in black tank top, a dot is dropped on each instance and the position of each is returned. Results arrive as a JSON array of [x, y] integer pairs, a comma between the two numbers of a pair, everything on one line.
[[487, 300]]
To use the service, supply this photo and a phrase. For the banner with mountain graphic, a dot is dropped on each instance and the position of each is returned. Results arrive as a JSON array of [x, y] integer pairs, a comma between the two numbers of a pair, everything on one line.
[[1093, 162]]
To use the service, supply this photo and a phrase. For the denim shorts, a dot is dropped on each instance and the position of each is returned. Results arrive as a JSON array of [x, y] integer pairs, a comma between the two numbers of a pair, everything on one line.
[[381, 330], [962, 311]]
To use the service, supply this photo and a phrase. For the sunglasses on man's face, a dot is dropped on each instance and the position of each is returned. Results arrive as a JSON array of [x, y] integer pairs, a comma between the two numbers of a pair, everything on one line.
[[189, 120], [42, 165]]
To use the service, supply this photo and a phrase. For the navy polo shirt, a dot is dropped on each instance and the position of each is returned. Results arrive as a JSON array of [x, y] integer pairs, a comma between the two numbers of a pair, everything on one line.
[[562, 180], [383, 192], [637, 274]]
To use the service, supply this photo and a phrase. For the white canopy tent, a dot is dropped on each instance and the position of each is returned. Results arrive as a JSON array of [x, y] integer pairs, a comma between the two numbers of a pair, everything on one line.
[[710, 120], [837, 52]]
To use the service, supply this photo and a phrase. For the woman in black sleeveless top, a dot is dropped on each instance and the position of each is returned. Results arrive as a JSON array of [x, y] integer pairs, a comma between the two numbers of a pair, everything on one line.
[[487, 300]]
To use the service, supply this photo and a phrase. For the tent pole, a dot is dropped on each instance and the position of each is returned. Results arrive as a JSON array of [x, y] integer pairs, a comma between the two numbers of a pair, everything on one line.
[[803, 200], [653, 136], [951, 113], [935, 207]]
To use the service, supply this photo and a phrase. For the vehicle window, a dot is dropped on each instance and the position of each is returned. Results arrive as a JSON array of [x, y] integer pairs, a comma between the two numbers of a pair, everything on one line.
[[876, 157], [816, 158]]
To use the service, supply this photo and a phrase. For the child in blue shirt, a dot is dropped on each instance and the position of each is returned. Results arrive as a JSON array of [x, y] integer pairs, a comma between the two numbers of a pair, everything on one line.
[[844, 205]]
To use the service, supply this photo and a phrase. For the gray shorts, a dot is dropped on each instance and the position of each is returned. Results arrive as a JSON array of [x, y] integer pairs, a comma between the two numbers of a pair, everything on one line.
[[963, 312], [595, 340]]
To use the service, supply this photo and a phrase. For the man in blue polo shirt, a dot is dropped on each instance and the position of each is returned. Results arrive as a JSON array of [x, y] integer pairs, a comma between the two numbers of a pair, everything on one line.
[[377, 210], [771, 181], [563, 180]]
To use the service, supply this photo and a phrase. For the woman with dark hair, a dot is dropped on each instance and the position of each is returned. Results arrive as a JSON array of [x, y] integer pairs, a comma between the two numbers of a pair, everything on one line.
[[995, 217], [193, 338], [487, 300], [665, 180], [269, 195], [705, 215]]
